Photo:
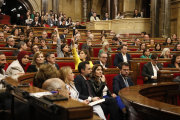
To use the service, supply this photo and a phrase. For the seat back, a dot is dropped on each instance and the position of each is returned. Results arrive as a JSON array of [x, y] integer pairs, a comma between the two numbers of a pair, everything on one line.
[[109, 81], [135, 56], [62, 64]]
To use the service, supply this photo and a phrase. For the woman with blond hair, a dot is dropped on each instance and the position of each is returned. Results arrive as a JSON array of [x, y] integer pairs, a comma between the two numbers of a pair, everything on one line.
[[38, 60], [165, 53], [67, 75], [105, 48]]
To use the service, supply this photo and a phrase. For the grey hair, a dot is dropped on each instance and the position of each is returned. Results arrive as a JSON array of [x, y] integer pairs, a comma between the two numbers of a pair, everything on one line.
[[44, 31], [164, 51], [102, 53], [7, 39], [1, 33], [54, 84]]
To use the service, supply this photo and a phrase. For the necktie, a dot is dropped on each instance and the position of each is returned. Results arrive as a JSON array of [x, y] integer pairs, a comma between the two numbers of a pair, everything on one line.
[[126, 82], [88, 88], [155, 67]]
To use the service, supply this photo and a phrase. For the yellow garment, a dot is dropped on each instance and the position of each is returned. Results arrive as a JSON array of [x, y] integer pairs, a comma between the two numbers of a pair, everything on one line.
[[77, 60]]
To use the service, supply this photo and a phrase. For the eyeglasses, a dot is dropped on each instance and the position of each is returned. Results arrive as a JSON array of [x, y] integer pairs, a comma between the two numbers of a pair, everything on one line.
[[35, 48], [155, 60]]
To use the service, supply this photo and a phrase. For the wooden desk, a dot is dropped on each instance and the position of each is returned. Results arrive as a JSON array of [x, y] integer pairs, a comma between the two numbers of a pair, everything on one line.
[[152, 101], [67, 110]]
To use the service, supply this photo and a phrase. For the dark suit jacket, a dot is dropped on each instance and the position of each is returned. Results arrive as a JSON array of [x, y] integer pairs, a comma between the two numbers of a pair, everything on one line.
[[42, 47], [85, 46], [118, 83], [57, 23], [15, 53], [98, 62], [31, 68], [15, 46], [105, 18], [34, 23], [62, 36], [119, 58], [62, 26], [148, 70], [57, 66], [80, 27], [82, 87], [18, 40], [90, 14], [133, 44]]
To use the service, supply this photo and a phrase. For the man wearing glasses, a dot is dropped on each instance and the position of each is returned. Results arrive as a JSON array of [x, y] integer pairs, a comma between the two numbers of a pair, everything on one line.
[[22, 38], [10, 42], [102, 60], [34, 49], [150, 69]]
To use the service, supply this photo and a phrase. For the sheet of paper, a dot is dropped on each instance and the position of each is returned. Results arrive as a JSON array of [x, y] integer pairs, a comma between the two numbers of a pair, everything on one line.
[[96, 102], [40, 94]]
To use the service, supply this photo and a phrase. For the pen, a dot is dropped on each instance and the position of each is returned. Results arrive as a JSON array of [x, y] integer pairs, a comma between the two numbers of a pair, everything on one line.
[[53, 92]]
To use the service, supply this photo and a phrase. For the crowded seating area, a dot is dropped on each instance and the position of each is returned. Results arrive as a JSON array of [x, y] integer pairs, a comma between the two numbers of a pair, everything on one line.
[[51, 52]]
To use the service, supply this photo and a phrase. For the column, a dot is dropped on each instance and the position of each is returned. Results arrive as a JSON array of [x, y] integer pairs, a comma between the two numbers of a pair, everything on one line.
[[154, 13], [108, 7], [45, 5], [84, 10], [115, 8], [55, 6], [165, 18]]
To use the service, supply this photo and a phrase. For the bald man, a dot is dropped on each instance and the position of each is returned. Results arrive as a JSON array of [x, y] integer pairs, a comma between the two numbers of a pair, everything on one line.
[[56, 84]]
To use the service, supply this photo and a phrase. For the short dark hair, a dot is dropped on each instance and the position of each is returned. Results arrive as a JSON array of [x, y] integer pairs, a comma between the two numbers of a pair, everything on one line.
[[32, 47], [115, 38], [22, 34], [82, 65], [145, 50], [156, 46], [20, 43], [89, 38], [154, 56], [123, 63], [143, 32], [43, 39], [123, 46], [48, 54]]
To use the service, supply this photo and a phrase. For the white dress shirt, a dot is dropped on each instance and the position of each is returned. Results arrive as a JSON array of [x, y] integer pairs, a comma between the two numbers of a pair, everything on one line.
[[124, 58], [154, 69], [102, 65]]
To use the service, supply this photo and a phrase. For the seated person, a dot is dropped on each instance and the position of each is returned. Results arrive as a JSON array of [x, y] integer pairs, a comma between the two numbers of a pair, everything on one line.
[[165, 53], [142, 47], [146, 53], [123, 43], [34, 49], [43, 44], [38, 60], [67, 76], [35, 39], [78, 26], [120, 16], [168, 41], [87, 44], [22, 38], [44, 35], [50, 21], [15, 32], [123, 56], [115, 41], [83, 56], [10, 42], [150, 69], [174, 37], [21, 47], [63, 25], [100, 88], [28, 43], [119, 38], [63, 36], [143, 34], [51, 59], [136, 14], [92, 37], [2, 65], [175, 61], [136, 42], [122, 80], [146, 37], [6, 29], [157, 47], [94, 17], [2, 36], [151, 43], [177, 47], [45, 72], [102, 60], [54, 39], [17, 67], [36, 22], [112, 33], [106, 17], [105, 48], [127, 35]]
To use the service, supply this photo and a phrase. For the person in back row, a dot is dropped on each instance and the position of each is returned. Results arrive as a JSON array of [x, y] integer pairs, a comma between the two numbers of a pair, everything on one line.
[[83, 56], [123, 56], [84, 88], [175, 61], [43, 44], [102, 60], [87, 44], [146, 53], [2, 65], [105, 48], [94, 17], [34, 49], [10, 42], [51, 59], [150, 69], [21, 47]]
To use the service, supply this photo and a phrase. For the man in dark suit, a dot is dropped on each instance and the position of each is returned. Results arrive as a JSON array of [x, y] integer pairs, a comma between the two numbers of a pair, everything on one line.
[[87, 44], [115, 41], [34, 49], [123, 56], [50, 21], [44, 35], [10, 42], [102, 60], [91, 13], [122, 80], [85, 91], [21, 47], [150, 69], [43, 44], [50, 59], [22, 38], [59, 22], [63, 25], [136, 42], [36, 23], [146, 37], [63, 36], [106, 17]]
